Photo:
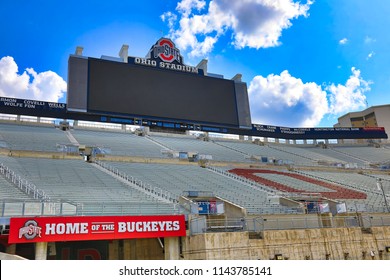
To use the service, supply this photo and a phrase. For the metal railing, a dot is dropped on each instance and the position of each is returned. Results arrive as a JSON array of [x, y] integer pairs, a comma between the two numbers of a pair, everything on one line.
[[259, 224], [15, 207], [147, 188], [139, 208], [25, 186], [42, 204]]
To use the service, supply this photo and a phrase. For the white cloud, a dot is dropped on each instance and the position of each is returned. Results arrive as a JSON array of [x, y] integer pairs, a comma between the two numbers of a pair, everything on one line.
[[253, 23], [186, 6], [170, 18], [370, 55], [369, 40], [348, 97], [343, 41], [45, 86], [285, 100]]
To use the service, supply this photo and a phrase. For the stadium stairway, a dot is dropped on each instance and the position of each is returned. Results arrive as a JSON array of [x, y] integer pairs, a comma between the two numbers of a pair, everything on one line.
[[155, 192], [289, 152], [23, 185], [349, 155], [154, 141], [71, 138], [231, 148]]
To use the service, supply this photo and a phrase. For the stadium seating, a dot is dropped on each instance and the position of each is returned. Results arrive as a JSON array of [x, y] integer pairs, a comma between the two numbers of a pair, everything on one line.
[[358, 182], [9, 192], [32, 138], [81, 183], [191, 144], [96, 192], [336, 156], [366, 154], [118, 143], [178, 179]]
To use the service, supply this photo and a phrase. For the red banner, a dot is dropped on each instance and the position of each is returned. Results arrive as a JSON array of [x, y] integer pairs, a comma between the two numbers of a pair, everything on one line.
[[51, 229]]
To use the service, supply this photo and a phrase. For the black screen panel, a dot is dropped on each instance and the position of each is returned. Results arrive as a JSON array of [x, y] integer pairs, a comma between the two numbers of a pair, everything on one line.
[[127, 89]]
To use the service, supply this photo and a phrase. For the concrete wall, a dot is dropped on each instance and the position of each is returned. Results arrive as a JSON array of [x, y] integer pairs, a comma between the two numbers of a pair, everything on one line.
[[4, 256], [317, 244], [233, 210], [382, 115], [136, 249]]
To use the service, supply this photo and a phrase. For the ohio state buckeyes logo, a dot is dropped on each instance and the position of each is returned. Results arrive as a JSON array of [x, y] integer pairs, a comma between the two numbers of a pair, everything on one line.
[[165, 50], [30, 230]]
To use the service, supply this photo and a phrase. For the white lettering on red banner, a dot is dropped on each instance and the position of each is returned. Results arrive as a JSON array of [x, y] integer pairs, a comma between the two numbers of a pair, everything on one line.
[[51, 229]]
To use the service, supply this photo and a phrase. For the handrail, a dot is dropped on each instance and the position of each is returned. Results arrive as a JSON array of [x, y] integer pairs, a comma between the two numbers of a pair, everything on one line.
[[153, 190], [259, 224], [28, 188], [22, 207]]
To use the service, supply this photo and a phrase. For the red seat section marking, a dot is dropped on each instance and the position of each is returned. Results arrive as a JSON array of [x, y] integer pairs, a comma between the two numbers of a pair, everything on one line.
[[339, 192]]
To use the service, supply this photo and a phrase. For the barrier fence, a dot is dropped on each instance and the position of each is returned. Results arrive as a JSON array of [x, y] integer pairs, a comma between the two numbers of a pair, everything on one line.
[[259, 224]]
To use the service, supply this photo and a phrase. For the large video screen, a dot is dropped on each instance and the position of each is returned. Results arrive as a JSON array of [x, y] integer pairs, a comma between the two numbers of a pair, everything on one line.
[[142, 91]]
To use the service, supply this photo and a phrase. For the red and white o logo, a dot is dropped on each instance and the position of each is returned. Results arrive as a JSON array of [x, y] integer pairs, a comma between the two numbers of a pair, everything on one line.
[[170, 57]]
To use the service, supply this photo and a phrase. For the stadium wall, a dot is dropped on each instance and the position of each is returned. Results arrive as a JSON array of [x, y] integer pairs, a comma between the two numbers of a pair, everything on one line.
[[303, 244]]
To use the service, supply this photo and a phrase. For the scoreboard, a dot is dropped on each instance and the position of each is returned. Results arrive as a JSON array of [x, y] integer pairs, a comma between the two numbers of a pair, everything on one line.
[[126, 89], [158, 87]]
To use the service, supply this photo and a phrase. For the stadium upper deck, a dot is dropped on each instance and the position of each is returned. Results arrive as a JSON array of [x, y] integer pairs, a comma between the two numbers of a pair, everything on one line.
[[168, 164], [42, 174]]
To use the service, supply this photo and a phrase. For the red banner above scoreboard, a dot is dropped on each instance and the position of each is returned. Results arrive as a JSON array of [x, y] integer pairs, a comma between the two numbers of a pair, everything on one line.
[[51, 229]]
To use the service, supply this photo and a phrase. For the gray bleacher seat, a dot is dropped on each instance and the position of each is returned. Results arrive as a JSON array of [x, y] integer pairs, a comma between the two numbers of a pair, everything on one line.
[[118, 143], [31, 138], [80, 182], [181, 178], [191, 144]]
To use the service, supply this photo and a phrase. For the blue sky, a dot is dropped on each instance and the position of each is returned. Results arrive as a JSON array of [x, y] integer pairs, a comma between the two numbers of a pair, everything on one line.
[[305, 63]]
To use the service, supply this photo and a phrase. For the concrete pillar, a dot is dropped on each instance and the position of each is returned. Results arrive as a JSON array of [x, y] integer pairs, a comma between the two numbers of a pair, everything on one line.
[[18, 118], [203, 66], [129, 252], [11, 249], [75, 123], [124, 53], [237, 78], [113, 250], [241, 137], [172, 248], [41, 250], [79, 50], [38, 119], [123, 127]]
